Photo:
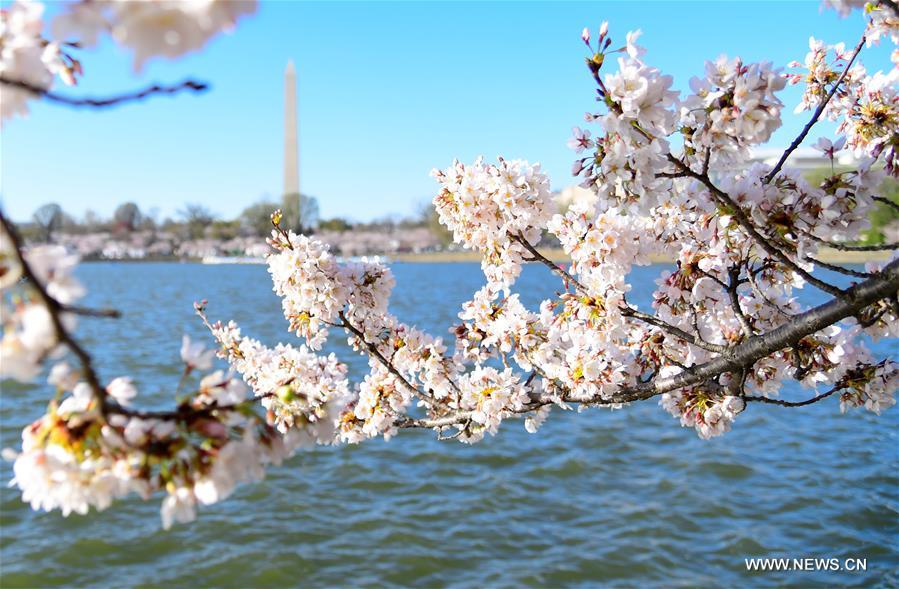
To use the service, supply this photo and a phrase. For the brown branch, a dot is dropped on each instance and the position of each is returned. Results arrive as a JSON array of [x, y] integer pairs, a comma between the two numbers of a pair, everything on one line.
[[744, 221], [883, 285], [450, 420], [733, 274], [879, 247], [663, 325], [783, 403], [373, 350], [886, 201], [815, 116], [854, 248], [839, 269], [736, 359], [88, 312], [555, 268], [184, 413], [55, 309], [187, 85]]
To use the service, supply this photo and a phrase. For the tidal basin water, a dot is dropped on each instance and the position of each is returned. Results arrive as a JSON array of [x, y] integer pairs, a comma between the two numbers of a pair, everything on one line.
[[603, 498]]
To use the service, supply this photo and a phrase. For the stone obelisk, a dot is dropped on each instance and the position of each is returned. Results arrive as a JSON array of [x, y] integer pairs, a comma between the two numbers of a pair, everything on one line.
[[291, 146]]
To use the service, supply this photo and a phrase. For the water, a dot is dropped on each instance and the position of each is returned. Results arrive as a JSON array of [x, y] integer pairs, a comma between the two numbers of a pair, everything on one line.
[[624, 498]]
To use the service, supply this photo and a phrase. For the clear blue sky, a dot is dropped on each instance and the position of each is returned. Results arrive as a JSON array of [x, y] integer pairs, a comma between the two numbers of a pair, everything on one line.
[[387, 91]]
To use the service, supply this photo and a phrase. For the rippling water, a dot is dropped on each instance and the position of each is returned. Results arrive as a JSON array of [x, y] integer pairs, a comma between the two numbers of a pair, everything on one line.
[[615, 498]]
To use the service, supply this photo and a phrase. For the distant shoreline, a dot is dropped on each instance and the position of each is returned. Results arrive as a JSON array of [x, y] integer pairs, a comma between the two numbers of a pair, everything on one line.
[[831, 256], [556, 255]]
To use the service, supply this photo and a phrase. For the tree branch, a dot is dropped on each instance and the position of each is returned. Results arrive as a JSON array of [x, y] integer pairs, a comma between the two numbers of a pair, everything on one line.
[[555, 268], [676, 331], [187, 85], [815, 116], [55, 309], [739, 358], [88, 312], [783, 403], [373, 350], [724, 198], [884, 284], [840, 269], [854, 248], [886, 201], [733, 274]]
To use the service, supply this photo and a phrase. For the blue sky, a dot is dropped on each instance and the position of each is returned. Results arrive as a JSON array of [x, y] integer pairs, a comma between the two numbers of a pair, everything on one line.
[[387, 91]]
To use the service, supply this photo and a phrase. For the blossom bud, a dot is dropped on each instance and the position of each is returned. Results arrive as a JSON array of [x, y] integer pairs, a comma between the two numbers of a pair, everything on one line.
[[585, 35], [286, 393]]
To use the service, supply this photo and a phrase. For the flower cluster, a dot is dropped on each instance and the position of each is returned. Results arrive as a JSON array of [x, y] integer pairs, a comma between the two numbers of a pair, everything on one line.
[[382, 399], [491, 208], [710, 412], [733, 107], [306, 277], [634, 149], [489, 395], [866, 106], [27, 57], [669, 176], [167, 28], [87, 451], [149, 28], [302, 391], [29, 329], [871, 386]]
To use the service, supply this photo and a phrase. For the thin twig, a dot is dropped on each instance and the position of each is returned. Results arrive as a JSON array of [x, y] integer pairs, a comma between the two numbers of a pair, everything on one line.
[[184, 412], [733, 274], [187, 85], [55, 309], [854, 248], [748, 226], [555, 268], [88, 312], [783, 403], [665, 326], [373, 350], [815, 116], [840, 269], [886, 201]]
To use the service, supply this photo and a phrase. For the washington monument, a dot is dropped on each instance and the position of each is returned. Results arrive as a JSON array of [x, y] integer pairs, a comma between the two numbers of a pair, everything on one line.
[[291, 148]]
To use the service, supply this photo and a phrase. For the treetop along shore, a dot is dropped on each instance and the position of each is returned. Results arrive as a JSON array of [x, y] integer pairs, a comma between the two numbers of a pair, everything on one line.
[[558, 255], [725, 330]]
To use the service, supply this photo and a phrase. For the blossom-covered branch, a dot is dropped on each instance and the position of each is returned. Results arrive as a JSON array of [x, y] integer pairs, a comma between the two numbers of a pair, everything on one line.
[[667, 175], [32, 58], [819, 110], [93, 445]]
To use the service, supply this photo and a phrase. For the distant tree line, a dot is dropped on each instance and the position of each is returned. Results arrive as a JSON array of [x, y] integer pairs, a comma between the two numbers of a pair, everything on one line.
[[301, 213], [194, 221], [881, 216]]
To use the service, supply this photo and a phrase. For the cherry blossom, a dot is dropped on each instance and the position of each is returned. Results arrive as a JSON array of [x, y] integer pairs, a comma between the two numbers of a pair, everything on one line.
[[27, 57], [668, 175], [167, 28], [195, 355]]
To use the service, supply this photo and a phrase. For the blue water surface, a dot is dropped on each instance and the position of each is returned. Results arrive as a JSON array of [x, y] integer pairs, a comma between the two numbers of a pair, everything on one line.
[[622, 498]]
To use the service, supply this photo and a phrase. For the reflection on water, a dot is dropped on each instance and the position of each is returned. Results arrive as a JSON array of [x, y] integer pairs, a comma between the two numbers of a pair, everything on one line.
[[618, 498]]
